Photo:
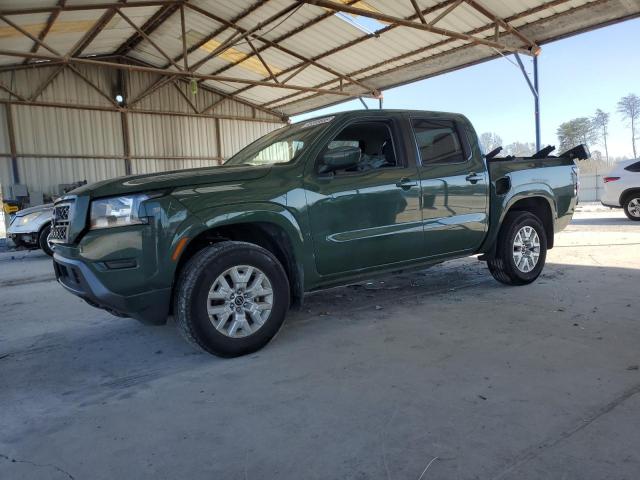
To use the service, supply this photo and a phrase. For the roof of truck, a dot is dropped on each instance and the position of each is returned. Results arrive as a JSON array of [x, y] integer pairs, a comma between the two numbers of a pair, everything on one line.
[[383, 112]]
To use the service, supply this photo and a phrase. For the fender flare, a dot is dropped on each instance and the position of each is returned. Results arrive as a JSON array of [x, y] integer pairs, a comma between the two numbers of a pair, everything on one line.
[[252, 213], [500, 209]]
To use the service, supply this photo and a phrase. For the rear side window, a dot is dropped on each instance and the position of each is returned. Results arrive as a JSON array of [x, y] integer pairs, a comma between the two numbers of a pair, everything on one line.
[[634, 167], [437, 141]]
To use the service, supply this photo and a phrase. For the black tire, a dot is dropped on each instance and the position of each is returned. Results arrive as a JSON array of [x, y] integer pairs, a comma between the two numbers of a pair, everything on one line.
[[198, 276], [43, 240], [503, 266], [627, 205]]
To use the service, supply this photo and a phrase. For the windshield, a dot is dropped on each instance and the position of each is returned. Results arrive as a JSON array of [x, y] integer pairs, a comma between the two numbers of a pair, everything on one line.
[[280, 146]]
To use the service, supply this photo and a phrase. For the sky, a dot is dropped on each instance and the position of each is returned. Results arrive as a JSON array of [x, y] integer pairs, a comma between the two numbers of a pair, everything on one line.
[[577, 75]]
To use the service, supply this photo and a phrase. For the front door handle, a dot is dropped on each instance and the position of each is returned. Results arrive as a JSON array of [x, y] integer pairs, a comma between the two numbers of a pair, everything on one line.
[[406, 183], [473, 178]]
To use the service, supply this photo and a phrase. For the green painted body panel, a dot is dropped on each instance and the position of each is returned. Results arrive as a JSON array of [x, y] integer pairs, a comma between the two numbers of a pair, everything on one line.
[[339, 228]]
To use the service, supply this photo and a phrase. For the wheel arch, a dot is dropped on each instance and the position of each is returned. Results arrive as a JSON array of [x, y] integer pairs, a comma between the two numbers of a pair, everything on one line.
[[541, 208], [628, 192], [539, 201], [275, 231]]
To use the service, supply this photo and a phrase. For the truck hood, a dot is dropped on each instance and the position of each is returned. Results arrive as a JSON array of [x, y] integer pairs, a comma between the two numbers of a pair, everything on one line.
[[171, 180]]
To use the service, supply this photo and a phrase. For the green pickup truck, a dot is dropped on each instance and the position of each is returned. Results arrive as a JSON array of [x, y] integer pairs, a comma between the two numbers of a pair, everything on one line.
[[228, 250]]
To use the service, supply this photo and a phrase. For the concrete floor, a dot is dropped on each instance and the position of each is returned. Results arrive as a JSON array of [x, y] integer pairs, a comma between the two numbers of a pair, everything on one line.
[[444, 370]]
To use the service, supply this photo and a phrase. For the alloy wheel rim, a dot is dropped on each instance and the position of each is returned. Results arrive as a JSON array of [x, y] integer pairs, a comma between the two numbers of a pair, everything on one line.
[[526, 249], [240, 301], [634, 207]]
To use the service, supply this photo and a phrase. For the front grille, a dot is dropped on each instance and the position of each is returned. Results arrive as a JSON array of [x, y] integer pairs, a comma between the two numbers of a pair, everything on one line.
[[60, 223]]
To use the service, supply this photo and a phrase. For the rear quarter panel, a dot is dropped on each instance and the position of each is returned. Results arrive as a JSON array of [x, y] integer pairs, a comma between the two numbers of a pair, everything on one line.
[[549, 178]]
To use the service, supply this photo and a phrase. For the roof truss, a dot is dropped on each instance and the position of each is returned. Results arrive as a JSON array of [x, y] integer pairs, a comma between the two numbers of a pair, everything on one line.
[[189, 65]]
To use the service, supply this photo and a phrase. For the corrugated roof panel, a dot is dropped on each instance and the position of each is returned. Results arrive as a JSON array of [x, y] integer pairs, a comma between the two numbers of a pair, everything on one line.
[[322, 37], [400, 47], [118, 30]]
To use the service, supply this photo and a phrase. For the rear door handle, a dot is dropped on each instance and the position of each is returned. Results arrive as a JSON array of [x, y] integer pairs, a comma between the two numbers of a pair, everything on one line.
[[473, 178], [406, 183]]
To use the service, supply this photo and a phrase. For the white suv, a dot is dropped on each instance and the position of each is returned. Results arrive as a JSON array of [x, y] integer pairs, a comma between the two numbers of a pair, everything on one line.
[[622, 188]]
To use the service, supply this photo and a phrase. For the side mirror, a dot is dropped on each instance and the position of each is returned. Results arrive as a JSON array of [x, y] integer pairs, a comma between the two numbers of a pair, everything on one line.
[[339, 159]]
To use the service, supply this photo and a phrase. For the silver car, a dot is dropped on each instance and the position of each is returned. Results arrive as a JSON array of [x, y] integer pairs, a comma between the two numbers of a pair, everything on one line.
[[31, 227]]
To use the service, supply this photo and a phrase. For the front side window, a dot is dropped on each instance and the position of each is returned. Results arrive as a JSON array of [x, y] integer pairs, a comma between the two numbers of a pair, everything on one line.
[[437, 141], [373, 140]]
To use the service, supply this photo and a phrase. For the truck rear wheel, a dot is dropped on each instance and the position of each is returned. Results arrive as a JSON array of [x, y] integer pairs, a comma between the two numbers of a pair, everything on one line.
[[231, 298], [521, 249]]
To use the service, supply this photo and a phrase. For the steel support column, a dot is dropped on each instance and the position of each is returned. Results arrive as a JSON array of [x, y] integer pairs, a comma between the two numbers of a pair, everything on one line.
[[12, 144], [537, 102], [536, 94]]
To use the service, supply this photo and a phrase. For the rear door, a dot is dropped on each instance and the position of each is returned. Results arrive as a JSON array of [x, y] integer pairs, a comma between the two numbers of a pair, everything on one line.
[[368, 215], [454, 185]]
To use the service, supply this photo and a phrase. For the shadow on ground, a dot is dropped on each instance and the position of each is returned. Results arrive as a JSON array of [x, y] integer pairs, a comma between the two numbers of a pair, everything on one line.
[[373, 380]]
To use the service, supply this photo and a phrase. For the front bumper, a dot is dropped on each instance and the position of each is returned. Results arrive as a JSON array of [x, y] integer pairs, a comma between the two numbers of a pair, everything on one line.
[[82, 279], [30, 239]]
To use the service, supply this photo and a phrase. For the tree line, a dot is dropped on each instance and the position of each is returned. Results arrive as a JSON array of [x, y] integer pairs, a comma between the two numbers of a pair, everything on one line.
[[595, 130], [591, 131]]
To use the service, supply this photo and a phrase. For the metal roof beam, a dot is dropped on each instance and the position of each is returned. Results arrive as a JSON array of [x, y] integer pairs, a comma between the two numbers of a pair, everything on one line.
[[52, 76], [277, 46], [418, 11], [278, 103], [147, 38], [535, 49], [148, 27], [339, 7], [426, 11], [11, 92], [225, 96], [242, 32], [95, 87], [287, 35], [87, 6], [446, 12], [93, 32], [264, 64], [133, 110], [218, 31], [45, 31], [124, 66], [28, 35]]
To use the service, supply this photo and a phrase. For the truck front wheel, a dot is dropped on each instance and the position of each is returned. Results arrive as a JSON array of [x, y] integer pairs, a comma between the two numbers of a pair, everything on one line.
[[521, 249], [231, 298]]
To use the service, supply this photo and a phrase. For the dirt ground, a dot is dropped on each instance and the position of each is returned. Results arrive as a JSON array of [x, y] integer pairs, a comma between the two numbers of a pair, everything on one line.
[[438, 374]]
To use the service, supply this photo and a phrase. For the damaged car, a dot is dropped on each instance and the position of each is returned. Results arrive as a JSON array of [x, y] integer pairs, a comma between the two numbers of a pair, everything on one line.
[[31, 227]]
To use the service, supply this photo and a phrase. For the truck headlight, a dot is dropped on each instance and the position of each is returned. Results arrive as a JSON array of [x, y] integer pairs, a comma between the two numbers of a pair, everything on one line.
[[117, 211]]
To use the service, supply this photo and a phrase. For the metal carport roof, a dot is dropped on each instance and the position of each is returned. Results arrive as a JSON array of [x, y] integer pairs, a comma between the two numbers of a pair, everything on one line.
[[286, 56]]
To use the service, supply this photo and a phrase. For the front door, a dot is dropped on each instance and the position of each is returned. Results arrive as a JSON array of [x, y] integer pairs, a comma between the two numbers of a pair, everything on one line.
[[367, 214], [455, 187]]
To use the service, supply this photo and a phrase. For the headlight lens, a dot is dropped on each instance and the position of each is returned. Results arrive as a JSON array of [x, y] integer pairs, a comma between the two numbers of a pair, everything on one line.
[[117, 211], [28, 218]]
